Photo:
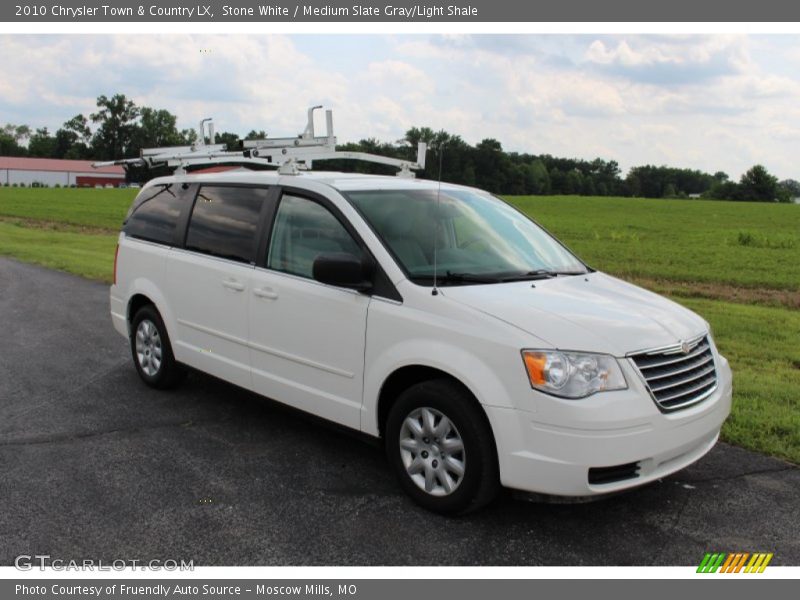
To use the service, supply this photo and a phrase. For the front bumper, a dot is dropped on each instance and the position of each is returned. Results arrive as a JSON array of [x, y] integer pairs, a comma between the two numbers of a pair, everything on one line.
[[546, 455]]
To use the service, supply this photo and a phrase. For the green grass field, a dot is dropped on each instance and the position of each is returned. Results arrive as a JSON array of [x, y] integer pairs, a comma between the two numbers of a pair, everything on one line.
[[747, 244], [737, 264], [86, 254], [83, 207]]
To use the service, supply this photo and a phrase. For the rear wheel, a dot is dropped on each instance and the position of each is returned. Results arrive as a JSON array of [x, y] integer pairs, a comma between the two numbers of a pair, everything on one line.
[[441, 447], [151, 350]]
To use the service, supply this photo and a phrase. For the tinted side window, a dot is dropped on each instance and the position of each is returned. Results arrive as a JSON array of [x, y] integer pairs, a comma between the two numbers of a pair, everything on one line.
[[224, 221], [154, 214], [303, 230]]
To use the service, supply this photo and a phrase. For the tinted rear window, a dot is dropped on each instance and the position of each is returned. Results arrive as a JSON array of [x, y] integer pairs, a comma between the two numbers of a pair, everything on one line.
[[155, 213], [224, 220]]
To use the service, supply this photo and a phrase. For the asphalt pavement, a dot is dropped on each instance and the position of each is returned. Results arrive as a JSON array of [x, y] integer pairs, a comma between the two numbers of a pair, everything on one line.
[[93, 464]]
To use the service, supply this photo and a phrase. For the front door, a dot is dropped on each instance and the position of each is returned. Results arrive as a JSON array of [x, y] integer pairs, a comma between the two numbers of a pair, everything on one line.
[[307, 338]]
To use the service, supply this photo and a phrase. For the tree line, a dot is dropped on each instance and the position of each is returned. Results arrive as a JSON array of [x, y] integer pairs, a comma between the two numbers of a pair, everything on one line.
[[118, 128]]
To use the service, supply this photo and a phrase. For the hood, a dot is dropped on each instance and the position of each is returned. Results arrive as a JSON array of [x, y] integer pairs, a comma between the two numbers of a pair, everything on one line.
[[593, 313]]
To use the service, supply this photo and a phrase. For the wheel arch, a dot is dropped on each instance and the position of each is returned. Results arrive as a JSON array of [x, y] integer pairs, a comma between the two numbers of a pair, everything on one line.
[[483, 486], [135, 303], [144, 292], [406, 376]]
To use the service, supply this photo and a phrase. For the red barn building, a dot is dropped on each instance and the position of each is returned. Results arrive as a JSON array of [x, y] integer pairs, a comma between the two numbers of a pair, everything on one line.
[[51, 172]]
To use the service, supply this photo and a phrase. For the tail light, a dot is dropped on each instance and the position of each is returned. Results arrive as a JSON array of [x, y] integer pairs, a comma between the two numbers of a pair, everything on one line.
[[116, 254]]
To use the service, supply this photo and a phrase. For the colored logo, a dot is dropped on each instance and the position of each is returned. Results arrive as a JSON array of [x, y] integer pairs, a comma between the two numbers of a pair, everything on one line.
[[735, 562]]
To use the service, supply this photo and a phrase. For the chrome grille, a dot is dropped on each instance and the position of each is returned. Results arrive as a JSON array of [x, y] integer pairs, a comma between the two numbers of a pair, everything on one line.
[[680, 375]]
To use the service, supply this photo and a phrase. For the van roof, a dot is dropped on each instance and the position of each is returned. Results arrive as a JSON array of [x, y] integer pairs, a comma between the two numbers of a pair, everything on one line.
[[342, 182]]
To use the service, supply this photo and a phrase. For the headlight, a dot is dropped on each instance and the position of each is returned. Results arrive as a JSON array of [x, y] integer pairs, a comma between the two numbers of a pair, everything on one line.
[[572, 374]]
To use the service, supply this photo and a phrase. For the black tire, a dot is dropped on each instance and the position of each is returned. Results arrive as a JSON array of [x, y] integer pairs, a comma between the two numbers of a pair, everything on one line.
[[480, 481], [169, 373]]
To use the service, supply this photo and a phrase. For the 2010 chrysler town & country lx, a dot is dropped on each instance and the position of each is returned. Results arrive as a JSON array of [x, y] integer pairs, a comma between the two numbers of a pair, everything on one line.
[[436, 317]]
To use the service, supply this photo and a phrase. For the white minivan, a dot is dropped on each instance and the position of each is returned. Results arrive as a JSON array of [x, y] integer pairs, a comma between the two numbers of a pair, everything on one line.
[[434, 316]]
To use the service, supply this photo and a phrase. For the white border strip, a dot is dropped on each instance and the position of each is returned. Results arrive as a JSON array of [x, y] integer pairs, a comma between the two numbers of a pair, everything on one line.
[[344, 573], [332, 28], [352, 573]]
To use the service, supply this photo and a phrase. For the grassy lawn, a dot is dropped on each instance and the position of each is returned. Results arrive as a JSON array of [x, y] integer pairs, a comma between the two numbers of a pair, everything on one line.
[[69, 229], [737, 264], [761, 344], [749, 244], [87, 207], [87, 255]]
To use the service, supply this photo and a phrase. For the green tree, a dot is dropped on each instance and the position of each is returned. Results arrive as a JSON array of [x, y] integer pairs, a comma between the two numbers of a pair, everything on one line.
[[72, 139], [41, 144], [652, 181], [670, 191], [9, 146], [634, 184], [419, 134], [492, 170], [574, 182], [156, 129], [231, 140], [12, 138], [256, 135], [19, 133], [726, 190], [758, 185], [516, 180], [558, 181], [788, 190], [69, 146], [188, 136], [588, 188], [79, 125], [116, 118], [468, 175], [539, 178]]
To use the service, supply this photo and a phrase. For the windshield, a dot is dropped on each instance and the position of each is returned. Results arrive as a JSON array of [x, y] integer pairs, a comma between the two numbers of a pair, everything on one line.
[[478, 238]]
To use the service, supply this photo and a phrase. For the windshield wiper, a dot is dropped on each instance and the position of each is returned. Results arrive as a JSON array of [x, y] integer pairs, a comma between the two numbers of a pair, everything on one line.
[[470, 277], [531, 275], [451, 277], [539, 274]]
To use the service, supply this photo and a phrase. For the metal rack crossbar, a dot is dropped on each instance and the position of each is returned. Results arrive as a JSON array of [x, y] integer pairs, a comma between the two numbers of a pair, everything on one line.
[[289, 155]]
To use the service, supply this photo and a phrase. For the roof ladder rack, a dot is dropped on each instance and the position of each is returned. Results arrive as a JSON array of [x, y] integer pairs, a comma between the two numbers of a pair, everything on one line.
[[289, 155]]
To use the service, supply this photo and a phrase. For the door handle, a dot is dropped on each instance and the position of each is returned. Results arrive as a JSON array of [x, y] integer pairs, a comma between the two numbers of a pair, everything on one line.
[[267, 293], [232, 284]]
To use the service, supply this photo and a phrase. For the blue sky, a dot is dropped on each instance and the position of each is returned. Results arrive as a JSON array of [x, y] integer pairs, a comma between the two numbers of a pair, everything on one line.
[[712, 102]]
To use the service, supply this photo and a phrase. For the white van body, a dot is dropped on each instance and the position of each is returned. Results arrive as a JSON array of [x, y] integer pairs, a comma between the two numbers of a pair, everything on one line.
[[330, 351]]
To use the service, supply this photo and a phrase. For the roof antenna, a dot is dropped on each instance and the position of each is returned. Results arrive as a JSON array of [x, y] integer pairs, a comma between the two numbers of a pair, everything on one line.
[[435, 290]]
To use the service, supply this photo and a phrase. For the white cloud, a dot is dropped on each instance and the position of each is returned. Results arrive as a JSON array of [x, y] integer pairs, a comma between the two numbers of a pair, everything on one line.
[[709, 102]]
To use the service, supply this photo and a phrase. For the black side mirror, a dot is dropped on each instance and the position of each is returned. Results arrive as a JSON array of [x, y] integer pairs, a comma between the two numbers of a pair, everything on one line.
[[344, 270]]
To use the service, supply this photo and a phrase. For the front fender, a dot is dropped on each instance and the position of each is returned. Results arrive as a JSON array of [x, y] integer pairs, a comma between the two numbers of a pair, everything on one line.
[[472, 371]]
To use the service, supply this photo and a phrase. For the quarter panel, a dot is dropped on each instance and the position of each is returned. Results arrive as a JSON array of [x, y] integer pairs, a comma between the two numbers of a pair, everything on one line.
[[140, 270]]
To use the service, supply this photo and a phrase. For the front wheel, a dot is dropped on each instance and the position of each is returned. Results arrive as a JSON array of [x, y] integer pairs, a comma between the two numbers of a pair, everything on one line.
[[441, 447], [152, 353]]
